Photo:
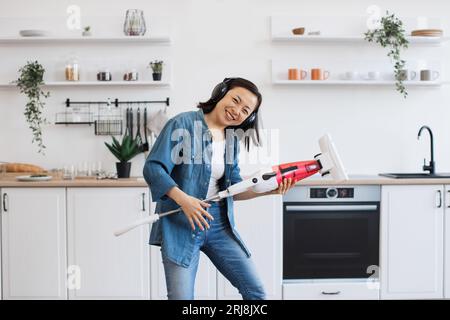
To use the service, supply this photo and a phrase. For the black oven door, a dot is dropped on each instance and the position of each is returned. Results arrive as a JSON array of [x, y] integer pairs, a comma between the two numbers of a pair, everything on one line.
[[330, 240]]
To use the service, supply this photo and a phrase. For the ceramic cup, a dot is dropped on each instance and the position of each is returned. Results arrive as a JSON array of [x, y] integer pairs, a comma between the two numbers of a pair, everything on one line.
[[297, 74], [405, 75], [428, 75], [351, 75], [293, 74], [373, 75], [319, 74]]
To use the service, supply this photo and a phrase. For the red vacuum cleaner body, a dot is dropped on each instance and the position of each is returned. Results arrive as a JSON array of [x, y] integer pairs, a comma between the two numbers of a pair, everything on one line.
[[296, 170]]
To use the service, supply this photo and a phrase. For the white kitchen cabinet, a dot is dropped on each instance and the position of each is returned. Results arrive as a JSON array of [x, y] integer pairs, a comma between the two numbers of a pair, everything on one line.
[[412, 221], [447, 243], [34, 243], [1, 210], [329, 289], [105, 266], [259, 222], [205, 281]]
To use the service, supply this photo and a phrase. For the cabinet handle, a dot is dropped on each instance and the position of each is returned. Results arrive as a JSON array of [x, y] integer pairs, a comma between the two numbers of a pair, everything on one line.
[[447, 200], [439, 193], [143, 201], [5, 198], [331, 293]]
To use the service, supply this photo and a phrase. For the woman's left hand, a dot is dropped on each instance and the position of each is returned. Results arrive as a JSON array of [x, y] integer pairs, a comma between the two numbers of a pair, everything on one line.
[[284, 186]]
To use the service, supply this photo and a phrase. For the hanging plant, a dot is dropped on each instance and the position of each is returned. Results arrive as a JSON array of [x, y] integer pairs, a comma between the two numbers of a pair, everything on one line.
[[390, 34], [30, 81]]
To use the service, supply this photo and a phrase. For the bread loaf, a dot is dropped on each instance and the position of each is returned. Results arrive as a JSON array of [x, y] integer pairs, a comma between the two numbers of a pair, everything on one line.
[[21, 167]]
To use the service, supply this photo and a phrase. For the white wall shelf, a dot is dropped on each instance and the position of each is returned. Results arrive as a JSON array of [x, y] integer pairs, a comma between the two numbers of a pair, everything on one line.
[[357, 83], [345, 28], [351, 39], [89, 39], [97, 83], [348, 31]]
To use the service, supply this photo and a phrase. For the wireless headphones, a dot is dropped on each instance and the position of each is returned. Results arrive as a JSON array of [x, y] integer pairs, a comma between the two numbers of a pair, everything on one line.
[[220, 91]]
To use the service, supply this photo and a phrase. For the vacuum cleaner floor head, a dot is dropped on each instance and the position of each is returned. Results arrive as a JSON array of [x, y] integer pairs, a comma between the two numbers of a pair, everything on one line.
[[330, 160]]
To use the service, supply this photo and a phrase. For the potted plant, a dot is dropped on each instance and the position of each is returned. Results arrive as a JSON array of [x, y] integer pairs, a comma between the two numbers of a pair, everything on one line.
[[29, 82], [124, 152], [87, 31], [157, 67], [390, 34]]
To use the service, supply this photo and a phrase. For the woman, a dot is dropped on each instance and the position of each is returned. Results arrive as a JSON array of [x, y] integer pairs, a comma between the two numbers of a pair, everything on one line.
[[194, 157]]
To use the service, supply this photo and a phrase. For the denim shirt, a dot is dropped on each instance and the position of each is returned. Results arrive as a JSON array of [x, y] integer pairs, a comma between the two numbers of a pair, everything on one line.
[[181, 156]]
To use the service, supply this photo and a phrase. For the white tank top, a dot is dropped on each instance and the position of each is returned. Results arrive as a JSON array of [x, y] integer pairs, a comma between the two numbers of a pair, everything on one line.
[[217, 167]]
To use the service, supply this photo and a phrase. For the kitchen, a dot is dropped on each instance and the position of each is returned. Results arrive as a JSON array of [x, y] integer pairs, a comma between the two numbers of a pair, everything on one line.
[[57, 235]]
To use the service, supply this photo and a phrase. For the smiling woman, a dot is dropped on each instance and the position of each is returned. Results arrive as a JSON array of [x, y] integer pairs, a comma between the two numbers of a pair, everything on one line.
[[210, 228]]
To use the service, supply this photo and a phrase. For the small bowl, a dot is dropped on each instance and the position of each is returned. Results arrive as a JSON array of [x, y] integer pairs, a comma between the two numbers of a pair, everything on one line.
[[298, 31]]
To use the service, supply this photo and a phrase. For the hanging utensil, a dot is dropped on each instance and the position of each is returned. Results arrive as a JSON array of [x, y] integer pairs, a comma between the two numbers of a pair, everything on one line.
[[138, 130], [127, 128], [131, 121], [145, 146]]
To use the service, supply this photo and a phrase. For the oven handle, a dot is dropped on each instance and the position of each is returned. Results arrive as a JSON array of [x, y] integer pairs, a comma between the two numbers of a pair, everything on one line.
[[332, 208]]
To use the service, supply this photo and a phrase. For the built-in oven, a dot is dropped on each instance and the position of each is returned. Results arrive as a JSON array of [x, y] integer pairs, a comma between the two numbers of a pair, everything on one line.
[[331, 232]]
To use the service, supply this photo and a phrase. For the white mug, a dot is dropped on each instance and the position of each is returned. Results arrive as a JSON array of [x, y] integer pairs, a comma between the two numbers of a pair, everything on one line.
[[351, 75], [373, 75]]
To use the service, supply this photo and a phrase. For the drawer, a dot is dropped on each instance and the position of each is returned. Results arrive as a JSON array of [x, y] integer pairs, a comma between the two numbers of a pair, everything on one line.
[[332, 290]]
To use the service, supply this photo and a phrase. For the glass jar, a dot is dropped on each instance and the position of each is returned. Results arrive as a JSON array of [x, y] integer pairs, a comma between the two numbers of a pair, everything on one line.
[[134, 23], [72, 70], [104, 75]]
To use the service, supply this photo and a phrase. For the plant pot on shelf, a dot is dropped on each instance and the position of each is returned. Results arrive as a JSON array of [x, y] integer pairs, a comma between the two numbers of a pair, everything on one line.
[[124, 151], [123, 169], [157, 76]]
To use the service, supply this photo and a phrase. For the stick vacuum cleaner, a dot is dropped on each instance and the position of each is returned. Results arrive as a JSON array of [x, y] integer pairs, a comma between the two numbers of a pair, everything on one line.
[[327, 162]]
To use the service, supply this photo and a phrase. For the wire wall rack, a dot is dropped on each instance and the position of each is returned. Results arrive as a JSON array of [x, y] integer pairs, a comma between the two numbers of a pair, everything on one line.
[[107, 116]]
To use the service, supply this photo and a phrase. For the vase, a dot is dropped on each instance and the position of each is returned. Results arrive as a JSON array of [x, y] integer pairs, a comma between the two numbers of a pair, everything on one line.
[[123, 169], [134, 23]]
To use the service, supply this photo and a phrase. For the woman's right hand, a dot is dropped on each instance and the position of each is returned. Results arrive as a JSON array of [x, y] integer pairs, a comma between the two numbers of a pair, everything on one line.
[[194, 210]]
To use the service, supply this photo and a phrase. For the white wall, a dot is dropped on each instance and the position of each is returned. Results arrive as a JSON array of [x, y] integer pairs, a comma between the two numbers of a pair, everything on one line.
[[374, 128]]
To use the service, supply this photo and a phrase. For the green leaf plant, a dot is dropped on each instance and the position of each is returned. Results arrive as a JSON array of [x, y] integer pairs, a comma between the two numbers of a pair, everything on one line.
[[124, 151], [391, 34], [156, 65], [29, 82]]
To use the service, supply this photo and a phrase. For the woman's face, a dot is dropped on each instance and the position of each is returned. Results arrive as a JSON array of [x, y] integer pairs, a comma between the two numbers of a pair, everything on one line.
[[235, 107]]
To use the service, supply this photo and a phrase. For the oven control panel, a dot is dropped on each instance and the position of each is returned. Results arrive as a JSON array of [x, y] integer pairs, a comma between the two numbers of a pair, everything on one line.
[[331, 193]]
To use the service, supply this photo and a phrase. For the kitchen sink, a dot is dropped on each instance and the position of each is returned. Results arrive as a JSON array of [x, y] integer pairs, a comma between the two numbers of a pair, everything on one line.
[[416, 175]]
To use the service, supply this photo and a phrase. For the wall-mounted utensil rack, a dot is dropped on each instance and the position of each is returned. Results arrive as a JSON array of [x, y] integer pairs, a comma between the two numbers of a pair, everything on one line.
[[116, 102], [107, 117]]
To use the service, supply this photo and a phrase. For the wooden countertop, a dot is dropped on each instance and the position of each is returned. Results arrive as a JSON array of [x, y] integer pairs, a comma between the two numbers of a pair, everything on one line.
[[370, 179], [9, 180]]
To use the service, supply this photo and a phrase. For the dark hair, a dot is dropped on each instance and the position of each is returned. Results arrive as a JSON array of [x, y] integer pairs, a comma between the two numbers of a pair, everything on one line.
[[251, 122]]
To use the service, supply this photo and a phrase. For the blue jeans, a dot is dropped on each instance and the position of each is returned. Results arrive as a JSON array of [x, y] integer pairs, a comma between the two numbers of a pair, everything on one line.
[[219, 244]]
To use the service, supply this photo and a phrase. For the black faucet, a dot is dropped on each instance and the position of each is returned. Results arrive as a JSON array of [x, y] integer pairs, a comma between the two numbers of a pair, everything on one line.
[[430, 167]]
